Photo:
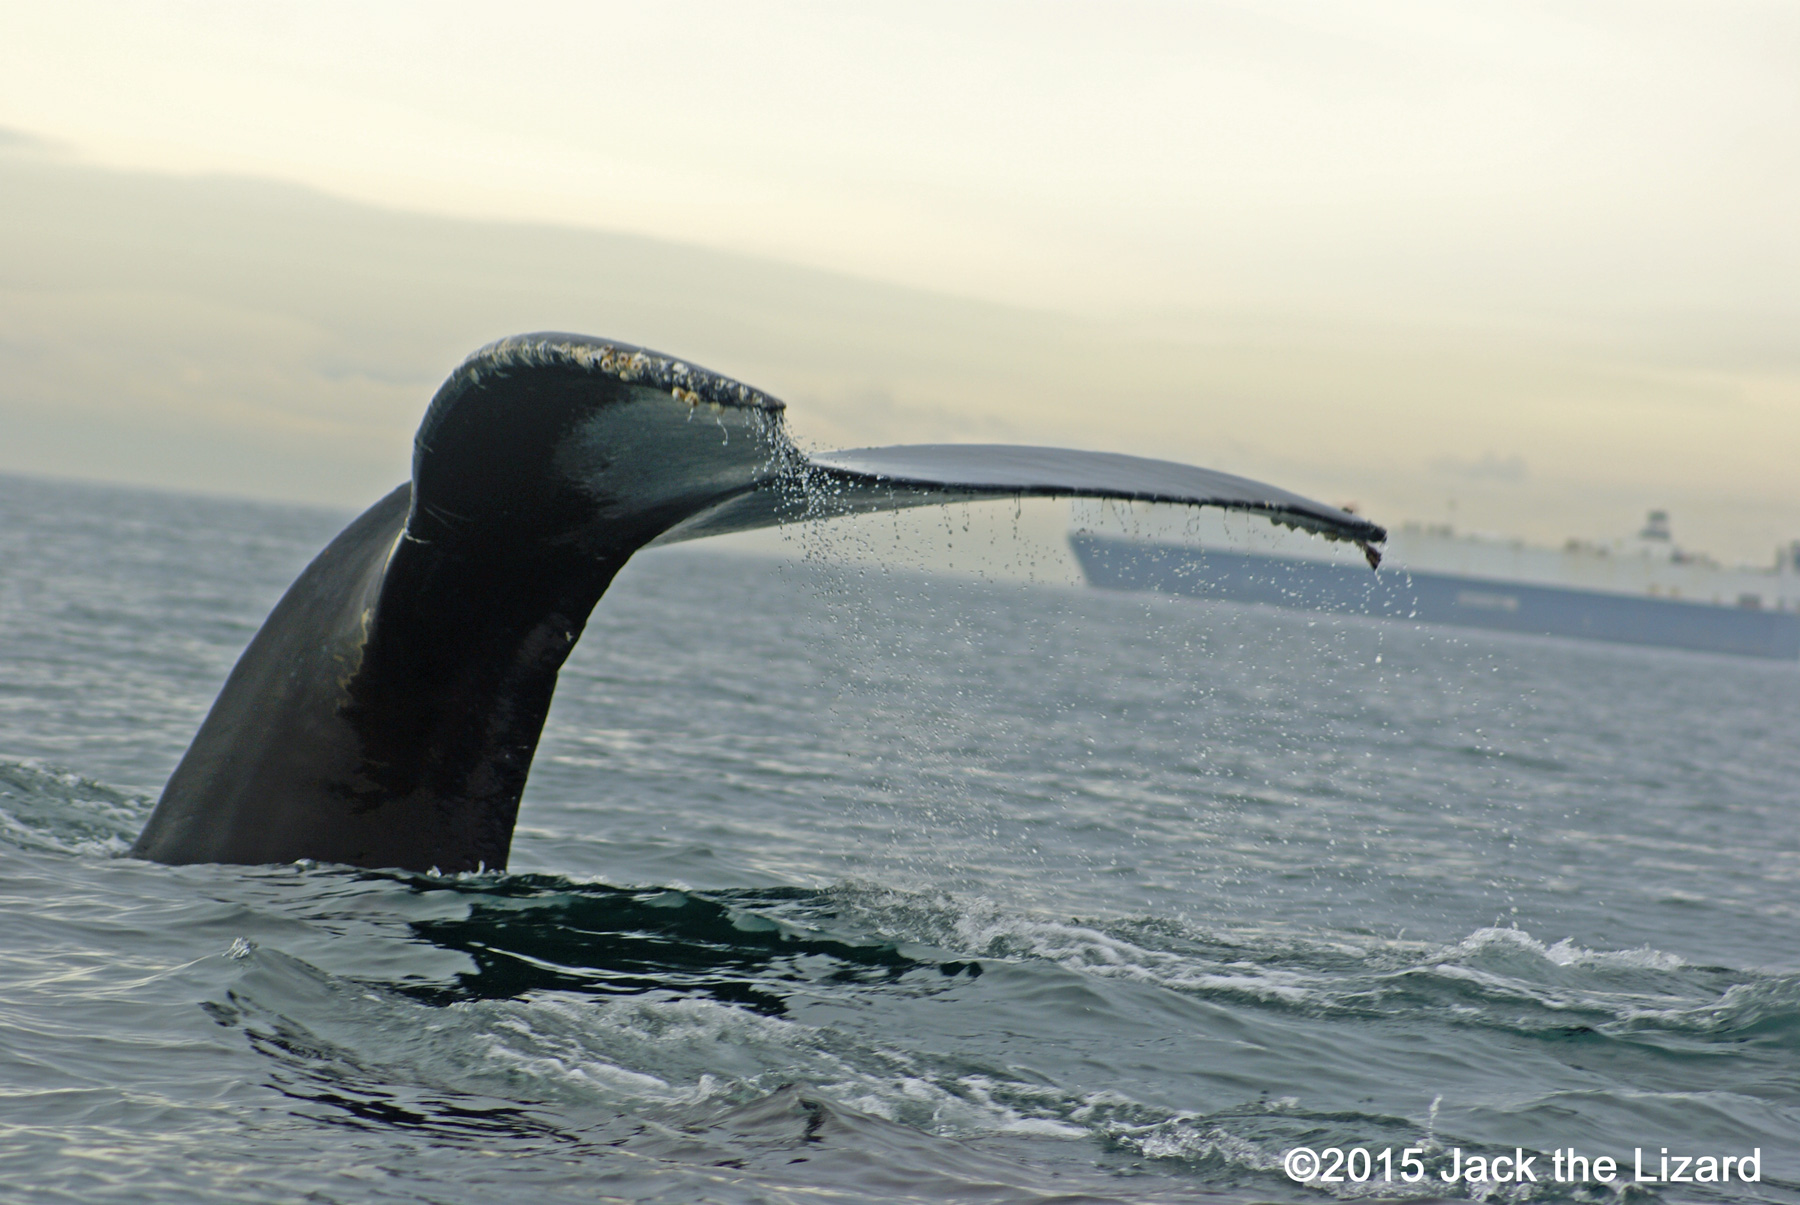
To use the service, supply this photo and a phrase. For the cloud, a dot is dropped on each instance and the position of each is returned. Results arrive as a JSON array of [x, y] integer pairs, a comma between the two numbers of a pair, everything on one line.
[[1490, 467], [200, 332], [19, 142]]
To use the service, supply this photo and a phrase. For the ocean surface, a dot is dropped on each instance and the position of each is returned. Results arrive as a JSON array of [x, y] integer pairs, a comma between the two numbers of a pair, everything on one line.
[[836, 883]]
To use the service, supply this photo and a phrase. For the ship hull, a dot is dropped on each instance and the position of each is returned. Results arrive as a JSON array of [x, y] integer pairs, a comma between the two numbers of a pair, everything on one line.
[[1439, 598]]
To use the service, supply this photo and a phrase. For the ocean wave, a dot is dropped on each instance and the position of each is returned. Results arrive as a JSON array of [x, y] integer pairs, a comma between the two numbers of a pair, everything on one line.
[[1497, 977], [650, 1055], [49, 809], [673, 1076], [1763, 1010], [1564, 953]]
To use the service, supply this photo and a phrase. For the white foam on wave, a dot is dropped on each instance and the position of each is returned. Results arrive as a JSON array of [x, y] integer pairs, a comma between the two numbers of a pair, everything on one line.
[[689, 1052], [978, 927], [1501, 967], [1564, 953], [1193, 1139], [630, 1054], [1774, 1001], [1497, 962]]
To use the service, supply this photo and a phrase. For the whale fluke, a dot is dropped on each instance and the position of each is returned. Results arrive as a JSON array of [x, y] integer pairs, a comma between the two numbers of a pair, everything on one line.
[[860, 480], [387, 712]]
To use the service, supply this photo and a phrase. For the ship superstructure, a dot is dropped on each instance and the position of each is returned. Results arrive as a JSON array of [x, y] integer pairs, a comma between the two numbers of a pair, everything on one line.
[[1649, 564]]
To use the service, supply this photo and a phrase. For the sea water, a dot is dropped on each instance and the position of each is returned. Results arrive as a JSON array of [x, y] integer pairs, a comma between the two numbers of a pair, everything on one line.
[[842, 883]]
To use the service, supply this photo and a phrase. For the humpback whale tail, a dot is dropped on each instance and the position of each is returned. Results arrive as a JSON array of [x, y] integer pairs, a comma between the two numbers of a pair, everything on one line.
[[387, 712]]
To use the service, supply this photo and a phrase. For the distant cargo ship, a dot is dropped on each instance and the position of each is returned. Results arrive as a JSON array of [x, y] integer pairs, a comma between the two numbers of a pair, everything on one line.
[[1642, 590]]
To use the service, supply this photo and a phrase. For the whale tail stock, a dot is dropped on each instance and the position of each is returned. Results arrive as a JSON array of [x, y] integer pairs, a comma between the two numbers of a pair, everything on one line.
[[387, 712]]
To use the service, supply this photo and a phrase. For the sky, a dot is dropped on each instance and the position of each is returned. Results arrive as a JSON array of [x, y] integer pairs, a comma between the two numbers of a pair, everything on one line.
[[1527, 266]]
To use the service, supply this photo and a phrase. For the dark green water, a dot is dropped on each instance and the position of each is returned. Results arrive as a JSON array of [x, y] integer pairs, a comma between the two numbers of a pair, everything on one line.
[[842, 885]]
